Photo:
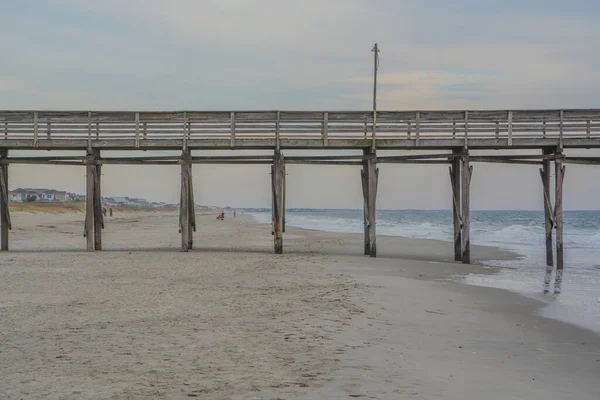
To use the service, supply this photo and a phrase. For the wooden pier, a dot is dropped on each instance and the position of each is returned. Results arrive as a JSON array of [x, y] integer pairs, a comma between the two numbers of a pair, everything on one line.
[[453, 137]]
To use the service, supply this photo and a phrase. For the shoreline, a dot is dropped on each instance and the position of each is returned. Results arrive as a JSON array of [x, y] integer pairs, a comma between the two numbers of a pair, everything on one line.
[[231, 320]]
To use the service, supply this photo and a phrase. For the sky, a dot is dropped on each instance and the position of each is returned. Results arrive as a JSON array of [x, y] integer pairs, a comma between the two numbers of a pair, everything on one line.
[[304, 55]]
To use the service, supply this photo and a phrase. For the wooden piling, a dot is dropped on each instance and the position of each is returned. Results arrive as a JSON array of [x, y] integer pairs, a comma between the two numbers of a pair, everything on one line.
[[184, 213], [549, 219], [456, 210], [364, 176], [89, 200], [284, 199], [558, 219], [191, 208], [370, 177], [277, 171], [98, 217], [5, 224], [467, 171]]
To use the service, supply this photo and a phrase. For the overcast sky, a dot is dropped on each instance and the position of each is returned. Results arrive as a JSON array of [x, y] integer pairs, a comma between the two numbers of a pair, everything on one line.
[[276, 54]]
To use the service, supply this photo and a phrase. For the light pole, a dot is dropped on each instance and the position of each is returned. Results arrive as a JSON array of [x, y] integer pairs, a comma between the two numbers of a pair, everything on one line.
[[375, 51]]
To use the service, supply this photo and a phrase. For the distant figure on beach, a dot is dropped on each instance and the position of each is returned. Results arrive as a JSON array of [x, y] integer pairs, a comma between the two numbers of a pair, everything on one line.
[[104, 211], [233, 213], [111, 211]]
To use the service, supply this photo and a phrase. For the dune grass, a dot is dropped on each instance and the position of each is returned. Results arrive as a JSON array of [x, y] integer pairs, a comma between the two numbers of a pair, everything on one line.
[[49, 207]]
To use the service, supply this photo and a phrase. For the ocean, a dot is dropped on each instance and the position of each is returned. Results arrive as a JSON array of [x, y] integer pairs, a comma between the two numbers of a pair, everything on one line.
[[519, 231]]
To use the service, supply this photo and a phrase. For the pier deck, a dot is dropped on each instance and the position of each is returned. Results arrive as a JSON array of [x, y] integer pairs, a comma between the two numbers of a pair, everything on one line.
[[453, 137]]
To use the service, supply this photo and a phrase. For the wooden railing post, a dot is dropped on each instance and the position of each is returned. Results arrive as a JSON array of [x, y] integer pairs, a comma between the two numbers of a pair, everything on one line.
[[418, 128], [35, 129], [89, 128], [184, 132], [325, 131], [277, 144], [510, 127], [561, 128], [137, 129], [232, 128], [466, 129], [374, 132]]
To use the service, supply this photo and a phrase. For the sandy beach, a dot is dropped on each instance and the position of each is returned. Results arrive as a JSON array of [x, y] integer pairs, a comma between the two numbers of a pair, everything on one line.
[[231, 320]]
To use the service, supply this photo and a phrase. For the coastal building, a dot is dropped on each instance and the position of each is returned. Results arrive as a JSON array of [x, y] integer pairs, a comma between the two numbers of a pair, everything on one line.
[[29, 194]]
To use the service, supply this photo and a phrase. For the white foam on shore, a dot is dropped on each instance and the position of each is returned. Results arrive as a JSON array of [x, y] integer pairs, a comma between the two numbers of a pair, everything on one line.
[[579, 303]]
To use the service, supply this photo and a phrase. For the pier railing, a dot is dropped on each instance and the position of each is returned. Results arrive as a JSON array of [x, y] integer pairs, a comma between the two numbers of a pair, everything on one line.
[[299, 125]]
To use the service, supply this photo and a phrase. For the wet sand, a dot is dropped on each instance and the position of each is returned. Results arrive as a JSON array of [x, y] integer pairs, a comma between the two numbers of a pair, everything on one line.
[[231, 320]]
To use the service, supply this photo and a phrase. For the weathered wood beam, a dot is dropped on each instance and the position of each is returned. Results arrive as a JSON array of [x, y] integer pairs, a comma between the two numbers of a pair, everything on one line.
[[89, 201], [325, 158], [456, 210], [548, 218], [283, 208], [317, 162], [558, 218], [184, 213], [504, 160], [43, 162], [467, 171], [581, 161], [416, 157], [370, 175], [277, 171], [98, 217], [388, 161], [59, 158], [191, 209], [5, 223]]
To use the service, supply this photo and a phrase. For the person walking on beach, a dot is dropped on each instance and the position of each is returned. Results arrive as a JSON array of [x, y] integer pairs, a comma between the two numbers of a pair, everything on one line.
[[111, 211], [104, 211]]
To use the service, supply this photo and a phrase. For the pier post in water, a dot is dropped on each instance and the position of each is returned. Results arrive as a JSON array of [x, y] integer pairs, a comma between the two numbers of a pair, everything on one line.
[[370, 177], [5, 224], [277, 181], [456, 210], [558, 218], [548, 217], [467, 172]]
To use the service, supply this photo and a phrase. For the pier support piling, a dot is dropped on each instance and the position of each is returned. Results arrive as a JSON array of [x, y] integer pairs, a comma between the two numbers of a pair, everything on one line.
[[5, 224], [284, 199], [467, 172], [558, 219], [456, 210], [369, 178], [94, 221], [548, 217], [185, 219], [191, 208], [277, 182]]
